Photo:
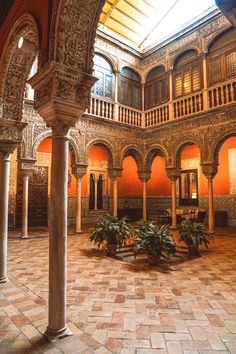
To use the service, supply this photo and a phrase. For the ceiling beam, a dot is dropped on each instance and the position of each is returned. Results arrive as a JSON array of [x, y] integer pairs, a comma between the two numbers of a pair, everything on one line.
[[109, 12]]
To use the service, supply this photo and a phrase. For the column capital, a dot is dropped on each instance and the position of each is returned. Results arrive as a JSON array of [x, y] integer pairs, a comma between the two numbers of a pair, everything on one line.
[[115, 172], [209, 169], [173, 173], [27, 165], [79, 170], [144, 176], [61, 93], [10, 135]]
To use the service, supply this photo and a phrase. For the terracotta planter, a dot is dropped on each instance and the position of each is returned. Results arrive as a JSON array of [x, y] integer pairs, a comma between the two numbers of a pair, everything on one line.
[[193, 251], [111, 250], [153, 260]]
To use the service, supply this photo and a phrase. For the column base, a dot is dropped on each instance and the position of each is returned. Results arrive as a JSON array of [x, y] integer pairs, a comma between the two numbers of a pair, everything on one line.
[[4, 279], [54, 334], [26, 236], [79, 232]]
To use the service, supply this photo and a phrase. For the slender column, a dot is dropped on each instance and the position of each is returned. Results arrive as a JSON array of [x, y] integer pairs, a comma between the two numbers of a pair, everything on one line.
[[171, 115], [116, 112], [210, 169], [4, 189], [25, 203], [173, 185], [95, 194], [57, 326], [144, 200], [205, 92], [210, 206], [115, 197], [78, 205]]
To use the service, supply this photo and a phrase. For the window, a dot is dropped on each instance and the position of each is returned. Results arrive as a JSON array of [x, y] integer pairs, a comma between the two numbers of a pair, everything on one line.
[[222, 57], [187, 74], [130, 88], [156, 87], [188, 187], [103, 71]]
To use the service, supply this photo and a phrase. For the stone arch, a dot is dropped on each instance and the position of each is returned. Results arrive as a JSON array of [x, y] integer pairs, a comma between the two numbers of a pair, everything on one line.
[[155, 150], [106, 145], [179, 54], [215, 149], [73, 33], [179, 149], [132, 150], [16, 64]]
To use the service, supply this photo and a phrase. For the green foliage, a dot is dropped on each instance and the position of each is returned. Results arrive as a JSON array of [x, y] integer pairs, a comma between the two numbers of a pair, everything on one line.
[[154, 240], [110, 230], [193, 233]]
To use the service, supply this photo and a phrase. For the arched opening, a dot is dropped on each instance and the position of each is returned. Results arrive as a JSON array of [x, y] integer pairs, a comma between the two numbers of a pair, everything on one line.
[[104, 87], [130, 88], [156, 87], [91, 192], [100, 192]]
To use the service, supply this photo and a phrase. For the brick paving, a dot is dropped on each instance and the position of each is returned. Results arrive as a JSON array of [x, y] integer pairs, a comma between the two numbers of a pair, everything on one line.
[[118, 307]]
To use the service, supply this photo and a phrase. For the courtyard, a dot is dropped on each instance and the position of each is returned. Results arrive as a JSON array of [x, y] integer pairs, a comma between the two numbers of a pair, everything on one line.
[[121, 307]]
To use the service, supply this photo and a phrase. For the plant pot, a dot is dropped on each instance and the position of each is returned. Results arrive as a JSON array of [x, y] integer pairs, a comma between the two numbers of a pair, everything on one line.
[[153, 260], [111, 250], [193, 251]]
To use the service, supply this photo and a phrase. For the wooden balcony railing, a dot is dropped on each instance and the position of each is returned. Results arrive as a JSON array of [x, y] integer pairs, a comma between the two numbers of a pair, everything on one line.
[[101, 108], [188, 105], [130, 116], [222, 94], [157, 115]]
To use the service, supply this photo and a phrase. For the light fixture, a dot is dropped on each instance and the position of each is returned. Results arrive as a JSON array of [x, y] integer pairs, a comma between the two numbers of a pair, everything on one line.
[[26, 45]]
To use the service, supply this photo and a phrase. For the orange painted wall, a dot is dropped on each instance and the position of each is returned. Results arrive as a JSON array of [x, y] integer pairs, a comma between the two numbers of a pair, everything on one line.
[[159, 184], [129, 183], [97, 153]]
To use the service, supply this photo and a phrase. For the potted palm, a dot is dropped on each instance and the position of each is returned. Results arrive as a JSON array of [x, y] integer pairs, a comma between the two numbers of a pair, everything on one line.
[[110, 232], [156, 241], [193, 235]]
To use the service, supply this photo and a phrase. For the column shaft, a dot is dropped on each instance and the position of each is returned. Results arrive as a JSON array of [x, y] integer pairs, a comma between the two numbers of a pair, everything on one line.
[[173, 184], [4, 190], [95, 195], [78, 205], [210, 205], [144, 200], [25, 203], [115, 203], [58, 239]]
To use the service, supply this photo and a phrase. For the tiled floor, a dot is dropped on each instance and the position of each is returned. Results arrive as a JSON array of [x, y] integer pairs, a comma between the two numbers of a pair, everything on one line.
[[119, 307]]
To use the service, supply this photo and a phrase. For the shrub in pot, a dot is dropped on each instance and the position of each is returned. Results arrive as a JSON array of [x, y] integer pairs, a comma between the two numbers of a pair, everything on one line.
[[193, 235], [110, 232], [156, 241]]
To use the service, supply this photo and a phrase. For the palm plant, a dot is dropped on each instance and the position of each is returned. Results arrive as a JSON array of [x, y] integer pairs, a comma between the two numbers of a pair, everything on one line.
[[156, 241], [110, 230]]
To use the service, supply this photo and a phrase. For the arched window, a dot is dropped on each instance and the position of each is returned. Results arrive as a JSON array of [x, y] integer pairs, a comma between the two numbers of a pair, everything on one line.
[[103, 71], [130, 88], [92, 192], [222, 57], [187, 74], [156, 87]]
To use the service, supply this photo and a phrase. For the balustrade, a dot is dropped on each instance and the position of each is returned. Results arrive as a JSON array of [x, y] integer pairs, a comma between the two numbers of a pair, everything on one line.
[[188, 105], [130, 116], [222, 94], [157, 115]]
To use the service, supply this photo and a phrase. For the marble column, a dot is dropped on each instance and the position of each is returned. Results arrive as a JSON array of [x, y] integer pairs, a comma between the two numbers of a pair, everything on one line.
[[115, 197], [173, 175], [144, 177], [25, 203], [57, 327], [78, 171], [210, 169], [171, 111], [4, 190], [95, 194], [116, 105], [205, 85]]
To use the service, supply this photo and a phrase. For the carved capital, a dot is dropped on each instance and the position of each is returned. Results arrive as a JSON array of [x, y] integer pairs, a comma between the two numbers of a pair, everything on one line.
[[209, 169], [61, 92], [173, 173], [10, 134], [144, 176], [27, 165], [79, 170], [115, 172]]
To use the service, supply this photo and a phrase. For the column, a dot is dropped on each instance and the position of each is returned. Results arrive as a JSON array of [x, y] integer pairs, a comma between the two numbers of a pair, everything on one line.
[[95, 194], [57, 327], [144, 200], [4, 190], [205, 91], [115, 197], [143, 105], [78, 205], [116, 108], [25, 203], [210, 169], [173, 174]]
